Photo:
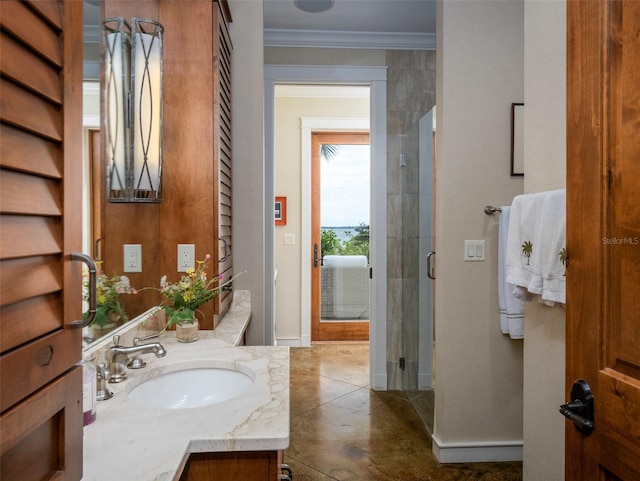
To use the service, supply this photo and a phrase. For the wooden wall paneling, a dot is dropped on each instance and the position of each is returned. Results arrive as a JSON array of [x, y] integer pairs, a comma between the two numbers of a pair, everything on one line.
[[133, 224], [186, 212]]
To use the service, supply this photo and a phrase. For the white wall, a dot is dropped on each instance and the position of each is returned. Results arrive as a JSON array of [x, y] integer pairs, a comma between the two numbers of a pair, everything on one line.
[[545, 160], [248, 159], [478, 379], [288, 175]]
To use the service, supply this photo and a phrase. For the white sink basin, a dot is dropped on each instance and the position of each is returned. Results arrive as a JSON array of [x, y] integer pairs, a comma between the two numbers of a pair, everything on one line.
[[191, 387]]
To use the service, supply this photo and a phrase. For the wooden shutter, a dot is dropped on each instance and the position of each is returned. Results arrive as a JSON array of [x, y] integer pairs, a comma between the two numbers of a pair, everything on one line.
[[40, 226], [222, 153]]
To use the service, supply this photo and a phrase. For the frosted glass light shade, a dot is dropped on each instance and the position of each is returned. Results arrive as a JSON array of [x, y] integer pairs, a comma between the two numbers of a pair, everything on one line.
[[133, 79]]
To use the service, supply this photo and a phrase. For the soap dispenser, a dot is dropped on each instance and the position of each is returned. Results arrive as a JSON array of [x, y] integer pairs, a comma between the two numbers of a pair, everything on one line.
[[89, 386]]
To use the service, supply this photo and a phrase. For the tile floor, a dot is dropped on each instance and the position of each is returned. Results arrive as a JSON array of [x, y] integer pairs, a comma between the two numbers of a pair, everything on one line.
[[342, 430]]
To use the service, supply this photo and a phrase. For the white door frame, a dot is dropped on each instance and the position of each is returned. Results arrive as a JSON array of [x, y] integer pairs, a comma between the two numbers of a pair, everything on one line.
[[376, 79]]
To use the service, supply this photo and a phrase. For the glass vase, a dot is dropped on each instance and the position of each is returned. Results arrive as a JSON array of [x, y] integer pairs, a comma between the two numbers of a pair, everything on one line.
[[187, 331]]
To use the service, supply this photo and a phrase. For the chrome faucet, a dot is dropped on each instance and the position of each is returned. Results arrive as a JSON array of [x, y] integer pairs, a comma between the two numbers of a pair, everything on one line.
[[120, 357]]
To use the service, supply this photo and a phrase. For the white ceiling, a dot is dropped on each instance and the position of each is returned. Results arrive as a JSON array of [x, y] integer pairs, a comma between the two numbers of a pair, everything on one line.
[[384, 24], [403, 24]]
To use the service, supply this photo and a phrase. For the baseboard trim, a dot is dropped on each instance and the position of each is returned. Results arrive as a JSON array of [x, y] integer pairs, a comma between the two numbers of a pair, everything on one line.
[[425, 381], [289, 341], [476, 451]]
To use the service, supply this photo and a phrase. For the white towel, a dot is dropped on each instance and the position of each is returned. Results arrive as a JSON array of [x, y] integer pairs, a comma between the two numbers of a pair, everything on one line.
[[520, 257], [550, 244], [534, 245], [511, 308]]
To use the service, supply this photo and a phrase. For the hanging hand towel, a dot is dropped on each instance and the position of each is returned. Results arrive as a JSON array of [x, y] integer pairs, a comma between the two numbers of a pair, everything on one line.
[[521, 251], [549, 264], [511, 308]]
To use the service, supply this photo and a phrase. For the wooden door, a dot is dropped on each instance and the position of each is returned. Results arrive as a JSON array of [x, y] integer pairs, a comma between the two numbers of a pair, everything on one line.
[[40, 227], [323, 329], [603, 234]]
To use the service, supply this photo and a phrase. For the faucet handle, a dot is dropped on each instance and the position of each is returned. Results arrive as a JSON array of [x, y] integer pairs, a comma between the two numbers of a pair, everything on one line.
[[116, 340], [138, 340]]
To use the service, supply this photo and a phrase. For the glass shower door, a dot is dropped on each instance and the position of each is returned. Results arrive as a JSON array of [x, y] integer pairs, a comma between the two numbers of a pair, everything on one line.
[[418, 240]]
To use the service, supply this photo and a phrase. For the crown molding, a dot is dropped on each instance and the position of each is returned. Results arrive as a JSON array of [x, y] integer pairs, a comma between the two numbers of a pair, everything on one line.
[[340, 39]]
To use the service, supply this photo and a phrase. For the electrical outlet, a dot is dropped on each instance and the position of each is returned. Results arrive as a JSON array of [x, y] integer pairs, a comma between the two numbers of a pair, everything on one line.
[[186, 257], [132, 258]]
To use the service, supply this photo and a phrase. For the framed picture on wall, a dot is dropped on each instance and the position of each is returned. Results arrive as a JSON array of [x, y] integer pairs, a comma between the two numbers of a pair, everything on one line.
[[281, 211], [517, 139]]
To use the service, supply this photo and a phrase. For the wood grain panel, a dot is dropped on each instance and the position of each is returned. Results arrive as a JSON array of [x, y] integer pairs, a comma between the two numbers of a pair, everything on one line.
[[31, 29], [20, 150], [188, 209], [48, 10], [233, 466], [30, 319], [39, 362], [32, 113], [22, 236], [59, 407], [27, 194], [38, 276], [28, 70]]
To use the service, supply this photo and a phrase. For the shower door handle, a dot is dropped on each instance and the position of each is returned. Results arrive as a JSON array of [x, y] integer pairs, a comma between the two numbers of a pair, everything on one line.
[[431, 274]]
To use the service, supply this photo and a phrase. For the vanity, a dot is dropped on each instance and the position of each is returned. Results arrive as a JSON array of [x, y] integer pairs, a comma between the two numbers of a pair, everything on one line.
[[153, 438]]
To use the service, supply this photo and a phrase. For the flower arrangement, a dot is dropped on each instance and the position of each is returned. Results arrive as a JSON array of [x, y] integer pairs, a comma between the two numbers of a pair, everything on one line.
[[192, 290], [108, 291]]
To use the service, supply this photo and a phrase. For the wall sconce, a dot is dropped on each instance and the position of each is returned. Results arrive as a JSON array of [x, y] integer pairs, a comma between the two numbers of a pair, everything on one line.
[[133, 109]]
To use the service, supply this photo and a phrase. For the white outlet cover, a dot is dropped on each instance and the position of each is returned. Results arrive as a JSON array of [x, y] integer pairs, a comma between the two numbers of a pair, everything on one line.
[[132, 257], [186, 257]]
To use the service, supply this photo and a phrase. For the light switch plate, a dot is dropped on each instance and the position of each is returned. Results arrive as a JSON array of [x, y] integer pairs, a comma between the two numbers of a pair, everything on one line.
[[289, 239], [132, 258], [473, 250], [186, 257]]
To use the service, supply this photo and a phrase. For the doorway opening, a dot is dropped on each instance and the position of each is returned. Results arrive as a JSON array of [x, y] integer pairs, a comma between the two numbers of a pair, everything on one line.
[[374, 79], [340, 165]]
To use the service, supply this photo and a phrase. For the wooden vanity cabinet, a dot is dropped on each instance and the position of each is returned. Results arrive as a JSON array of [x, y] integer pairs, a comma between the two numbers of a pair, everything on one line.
[[40, 227], [233, 466]]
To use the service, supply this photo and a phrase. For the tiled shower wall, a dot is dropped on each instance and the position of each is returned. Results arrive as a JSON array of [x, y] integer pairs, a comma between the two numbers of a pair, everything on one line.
[[411, 92]]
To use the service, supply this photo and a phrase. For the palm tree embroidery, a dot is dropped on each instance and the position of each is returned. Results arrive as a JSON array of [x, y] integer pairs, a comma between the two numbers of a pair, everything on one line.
[[564, 258], [527, 250]]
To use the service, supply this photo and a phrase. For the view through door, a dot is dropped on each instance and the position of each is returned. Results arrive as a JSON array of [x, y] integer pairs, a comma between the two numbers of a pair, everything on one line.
[[340, 279]]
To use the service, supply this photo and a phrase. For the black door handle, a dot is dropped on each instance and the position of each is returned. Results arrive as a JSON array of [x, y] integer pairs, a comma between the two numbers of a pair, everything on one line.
[[580, 410]]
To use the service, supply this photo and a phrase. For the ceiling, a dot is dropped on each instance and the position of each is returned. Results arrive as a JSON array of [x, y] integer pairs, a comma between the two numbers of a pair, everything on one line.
[[405, 24], [381, 24]]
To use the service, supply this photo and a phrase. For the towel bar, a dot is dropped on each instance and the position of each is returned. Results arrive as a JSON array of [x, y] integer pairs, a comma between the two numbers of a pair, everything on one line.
[[489, 210]]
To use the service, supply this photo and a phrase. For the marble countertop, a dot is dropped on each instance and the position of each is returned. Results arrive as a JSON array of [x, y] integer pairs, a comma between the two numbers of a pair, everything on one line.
[[129, 441]]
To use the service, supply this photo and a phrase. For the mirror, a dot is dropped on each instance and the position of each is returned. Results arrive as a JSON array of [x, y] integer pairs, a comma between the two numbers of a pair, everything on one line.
[[108, 227]]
